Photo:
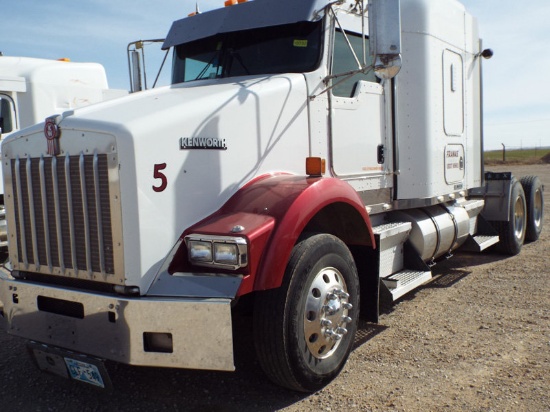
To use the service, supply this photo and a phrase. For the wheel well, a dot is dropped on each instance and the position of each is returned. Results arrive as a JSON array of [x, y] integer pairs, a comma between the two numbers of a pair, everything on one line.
[[344, 222]]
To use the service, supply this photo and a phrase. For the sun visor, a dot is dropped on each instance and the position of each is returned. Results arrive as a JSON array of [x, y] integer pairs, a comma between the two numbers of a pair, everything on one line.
[[244, 16]]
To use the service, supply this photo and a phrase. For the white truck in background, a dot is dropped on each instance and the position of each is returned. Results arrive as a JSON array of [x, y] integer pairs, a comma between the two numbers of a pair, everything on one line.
[[312, 158], [32, 89]]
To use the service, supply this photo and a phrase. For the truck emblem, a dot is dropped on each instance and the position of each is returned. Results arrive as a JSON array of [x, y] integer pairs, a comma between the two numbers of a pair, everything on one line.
[[52, 133], [209, 143]]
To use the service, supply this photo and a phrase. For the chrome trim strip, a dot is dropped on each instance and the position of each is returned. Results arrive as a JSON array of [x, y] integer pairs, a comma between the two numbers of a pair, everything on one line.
[[23, 239], [57, 206], [71, 212], [85, 214], [98, 216], [28, 169], [45, 213]]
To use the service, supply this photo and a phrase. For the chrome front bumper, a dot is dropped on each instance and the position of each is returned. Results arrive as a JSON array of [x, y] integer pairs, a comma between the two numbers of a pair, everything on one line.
[[189, 333]]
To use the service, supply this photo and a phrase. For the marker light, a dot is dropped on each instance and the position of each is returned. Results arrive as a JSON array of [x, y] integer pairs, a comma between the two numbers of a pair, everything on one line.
[[315, 166], [223, 252]]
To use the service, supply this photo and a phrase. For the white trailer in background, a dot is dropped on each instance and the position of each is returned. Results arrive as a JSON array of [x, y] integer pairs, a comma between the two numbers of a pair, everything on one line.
[[32, 89], [312, 158]]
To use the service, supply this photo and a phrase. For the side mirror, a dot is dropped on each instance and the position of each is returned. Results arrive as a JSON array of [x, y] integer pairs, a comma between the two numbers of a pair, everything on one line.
[[385, 37]]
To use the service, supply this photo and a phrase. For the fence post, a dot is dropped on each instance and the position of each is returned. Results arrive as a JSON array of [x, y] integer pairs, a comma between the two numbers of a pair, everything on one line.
[[503, 153]]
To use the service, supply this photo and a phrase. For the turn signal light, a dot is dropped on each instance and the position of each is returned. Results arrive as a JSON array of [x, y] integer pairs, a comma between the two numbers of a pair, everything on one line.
[[315, 166]]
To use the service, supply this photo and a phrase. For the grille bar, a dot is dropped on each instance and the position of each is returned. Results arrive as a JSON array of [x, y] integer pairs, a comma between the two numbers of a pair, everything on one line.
[[70, 210], [98, 216], [85, 214], [57, 207], [32, 212], [22, 237], [45, 213]]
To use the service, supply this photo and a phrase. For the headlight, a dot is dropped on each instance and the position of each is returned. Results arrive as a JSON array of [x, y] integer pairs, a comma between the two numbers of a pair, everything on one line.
[[217, 251]]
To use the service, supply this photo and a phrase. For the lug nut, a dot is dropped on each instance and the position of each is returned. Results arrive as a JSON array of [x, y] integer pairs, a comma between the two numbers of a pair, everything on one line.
[[347, 306], [341, 331], [326, 323], [341, 294]]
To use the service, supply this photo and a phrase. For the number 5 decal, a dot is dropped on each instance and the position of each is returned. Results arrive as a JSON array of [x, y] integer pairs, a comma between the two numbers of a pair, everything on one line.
[[157, 174]]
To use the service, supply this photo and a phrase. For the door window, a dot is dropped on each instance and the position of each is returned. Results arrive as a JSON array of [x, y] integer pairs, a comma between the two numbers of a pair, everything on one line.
[[344, 61]]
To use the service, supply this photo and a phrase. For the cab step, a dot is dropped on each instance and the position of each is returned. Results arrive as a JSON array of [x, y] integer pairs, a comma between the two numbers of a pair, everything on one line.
[[405, 281], [479, 243]]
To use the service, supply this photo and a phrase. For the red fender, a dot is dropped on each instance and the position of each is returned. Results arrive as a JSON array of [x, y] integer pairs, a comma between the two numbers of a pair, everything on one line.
[[274, 210]]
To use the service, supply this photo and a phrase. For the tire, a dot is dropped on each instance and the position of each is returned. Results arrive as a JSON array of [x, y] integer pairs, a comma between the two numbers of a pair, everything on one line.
[[535, 206], [512, 233], [296, 345]]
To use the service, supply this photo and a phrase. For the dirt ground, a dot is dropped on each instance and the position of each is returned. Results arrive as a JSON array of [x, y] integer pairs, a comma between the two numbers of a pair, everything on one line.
[[477, 338]]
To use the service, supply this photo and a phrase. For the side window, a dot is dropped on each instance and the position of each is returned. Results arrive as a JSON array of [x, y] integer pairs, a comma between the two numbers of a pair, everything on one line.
[[6, 114], [343, 61]]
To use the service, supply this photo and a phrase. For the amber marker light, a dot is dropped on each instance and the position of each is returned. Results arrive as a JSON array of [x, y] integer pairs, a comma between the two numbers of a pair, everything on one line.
[[230, 2], [315, 166]]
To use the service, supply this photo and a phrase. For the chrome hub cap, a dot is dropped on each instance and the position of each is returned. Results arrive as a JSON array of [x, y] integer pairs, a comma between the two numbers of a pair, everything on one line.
[[519, 218], [326, 313]]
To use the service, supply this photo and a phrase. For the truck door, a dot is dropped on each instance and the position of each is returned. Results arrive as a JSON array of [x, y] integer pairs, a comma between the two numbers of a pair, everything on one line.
[[357, 113]]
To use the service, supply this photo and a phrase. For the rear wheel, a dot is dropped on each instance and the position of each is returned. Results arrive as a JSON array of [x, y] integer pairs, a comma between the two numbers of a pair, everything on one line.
[[512, 233], [304, 330], [535, 206]]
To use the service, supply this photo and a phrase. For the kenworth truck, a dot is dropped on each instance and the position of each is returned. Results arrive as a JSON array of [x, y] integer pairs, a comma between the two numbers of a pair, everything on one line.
[[32, 89], [312, 158]]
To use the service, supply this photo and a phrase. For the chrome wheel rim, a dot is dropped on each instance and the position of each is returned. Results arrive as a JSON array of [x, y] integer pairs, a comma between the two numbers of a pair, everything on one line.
[[326, 313], [537, 209], [519, 218]]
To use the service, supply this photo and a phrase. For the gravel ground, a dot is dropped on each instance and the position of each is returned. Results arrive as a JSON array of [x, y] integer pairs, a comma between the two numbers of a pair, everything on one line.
[[477, 338]]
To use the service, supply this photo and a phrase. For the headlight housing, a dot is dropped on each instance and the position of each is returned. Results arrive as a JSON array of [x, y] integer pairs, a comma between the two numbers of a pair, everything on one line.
[[223, 252]]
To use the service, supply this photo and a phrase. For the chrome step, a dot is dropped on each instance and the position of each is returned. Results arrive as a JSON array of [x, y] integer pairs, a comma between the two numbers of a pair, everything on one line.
[[479, 243], [390, 238], [404, 281]]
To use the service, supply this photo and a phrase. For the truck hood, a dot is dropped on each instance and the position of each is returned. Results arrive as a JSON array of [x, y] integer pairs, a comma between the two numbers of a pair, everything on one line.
[[180, 152]]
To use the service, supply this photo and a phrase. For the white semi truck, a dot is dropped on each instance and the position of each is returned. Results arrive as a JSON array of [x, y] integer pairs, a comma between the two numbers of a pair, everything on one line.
[[32, 89], [312, 157]]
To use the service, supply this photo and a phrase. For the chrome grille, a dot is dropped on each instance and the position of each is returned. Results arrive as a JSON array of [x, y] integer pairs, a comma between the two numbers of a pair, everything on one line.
[[62, 215]]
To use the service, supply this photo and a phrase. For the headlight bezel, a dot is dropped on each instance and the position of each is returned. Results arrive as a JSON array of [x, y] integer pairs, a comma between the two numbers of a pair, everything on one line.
[[211, 242]]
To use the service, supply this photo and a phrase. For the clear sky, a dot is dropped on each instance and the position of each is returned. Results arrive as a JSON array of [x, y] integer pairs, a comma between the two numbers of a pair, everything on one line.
[[516, 79]]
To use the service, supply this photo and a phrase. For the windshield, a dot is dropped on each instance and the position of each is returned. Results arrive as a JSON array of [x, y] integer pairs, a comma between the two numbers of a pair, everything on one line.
[[292, 48]]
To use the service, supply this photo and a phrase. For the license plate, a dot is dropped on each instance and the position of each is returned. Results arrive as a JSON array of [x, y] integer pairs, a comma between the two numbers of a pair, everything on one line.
[[70, 365], [84, 372]]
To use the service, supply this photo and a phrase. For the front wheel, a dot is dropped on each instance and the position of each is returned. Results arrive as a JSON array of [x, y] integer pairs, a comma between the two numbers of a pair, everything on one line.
[[305, 329]]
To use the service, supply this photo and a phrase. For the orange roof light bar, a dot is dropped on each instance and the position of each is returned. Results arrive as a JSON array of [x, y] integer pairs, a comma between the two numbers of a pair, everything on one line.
[[233, 2]]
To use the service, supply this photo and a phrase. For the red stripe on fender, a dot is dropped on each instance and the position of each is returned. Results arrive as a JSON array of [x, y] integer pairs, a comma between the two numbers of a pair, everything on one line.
[[292, 201]]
